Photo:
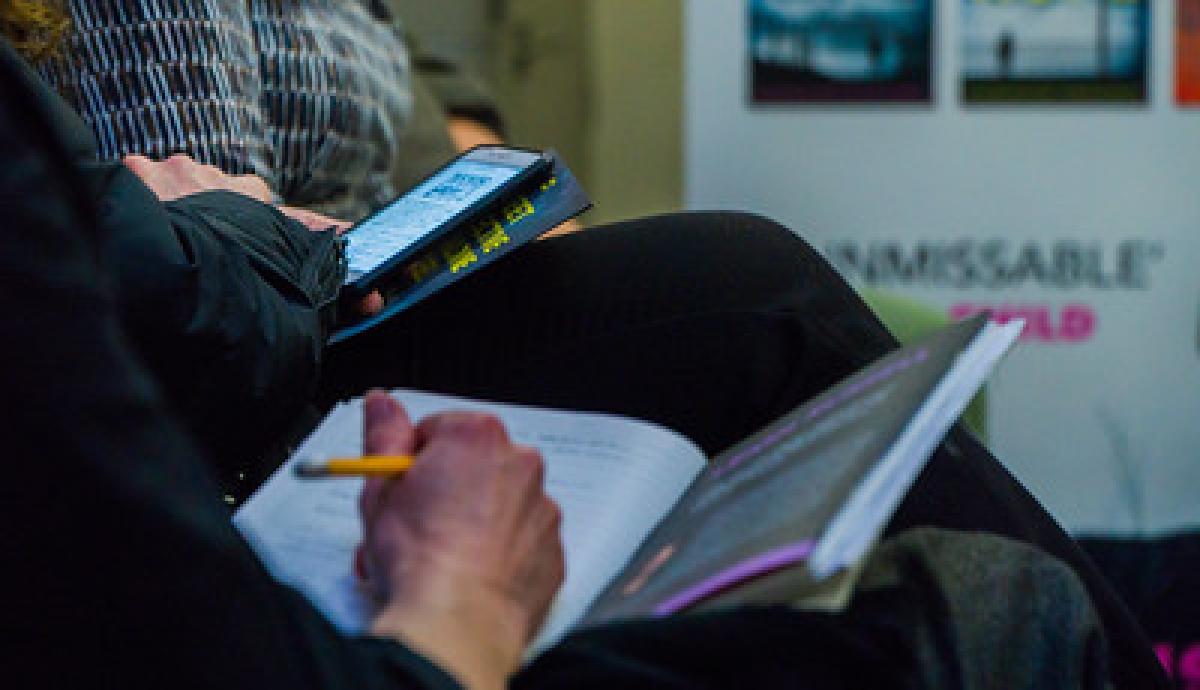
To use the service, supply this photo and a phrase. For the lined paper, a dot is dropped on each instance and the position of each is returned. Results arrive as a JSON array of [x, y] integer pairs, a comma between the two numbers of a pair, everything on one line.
[[613, 477]]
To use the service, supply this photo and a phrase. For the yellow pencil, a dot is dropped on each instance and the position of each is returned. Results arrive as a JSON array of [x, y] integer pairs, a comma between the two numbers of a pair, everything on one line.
[[369, 465]]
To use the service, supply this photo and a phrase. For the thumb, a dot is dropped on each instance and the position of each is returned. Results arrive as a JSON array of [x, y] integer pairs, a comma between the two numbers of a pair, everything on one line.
[[386, 427]]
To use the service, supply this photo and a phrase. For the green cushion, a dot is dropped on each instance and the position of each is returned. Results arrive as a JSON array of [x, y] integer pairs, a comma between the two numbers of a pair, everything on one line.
[[910, 320]]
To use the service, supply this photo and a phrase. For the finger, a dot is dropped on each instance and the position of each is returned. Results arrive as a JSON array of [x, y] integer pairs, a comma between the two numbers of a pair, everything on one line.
[[556, 573], [210, 176], [360, 563], [139, 165], [368, 500], [476, 426], [371, 305], [182, 164], [318, 222], [255, 186], [314, 221], [386, 427], [365, 570], [551, 565], [161, 183], [386, 431], [528, 465], [295, 214]]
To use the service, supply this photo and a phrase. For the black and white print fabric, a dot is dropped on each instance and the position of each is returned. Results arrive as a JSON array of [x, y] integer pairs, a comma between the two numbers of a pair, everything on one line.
[[312, 95]]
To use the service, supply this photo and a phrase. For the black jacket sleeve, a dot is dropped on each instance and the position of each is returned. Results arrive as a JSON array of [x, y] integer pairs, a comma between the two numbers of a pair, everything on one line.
[[121, 566], [229, 303], [225, 299]]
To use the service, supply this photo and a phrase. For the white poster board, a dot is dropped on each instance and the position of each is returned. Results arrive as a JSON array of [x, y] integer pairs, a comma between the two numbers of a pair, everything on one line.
[[1086, 217]]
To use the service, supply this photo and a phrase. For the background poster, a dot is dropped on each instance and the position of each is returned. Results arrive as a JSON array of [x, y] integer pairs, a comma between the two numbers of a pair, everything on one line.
[[827, 51], [1187, 52], [1082, 219], [1055, 50]]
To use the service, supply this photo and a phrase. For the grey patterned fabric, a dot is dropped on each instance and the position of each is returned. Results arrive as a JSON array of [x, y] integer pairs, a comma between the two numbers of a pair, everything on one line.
[[982, 612], [312, 95]]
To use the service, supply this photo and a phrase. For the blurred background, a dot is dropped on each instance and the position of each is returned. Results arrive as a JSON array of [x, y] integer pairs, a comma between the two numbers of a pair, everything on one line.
[[1037, 159], [1033, 158], [601, 82]]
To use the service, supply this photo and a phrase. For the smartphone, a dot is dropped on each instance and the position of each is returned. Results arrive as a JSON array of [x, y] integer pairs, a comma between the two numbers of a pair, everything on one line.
[[381, 243]]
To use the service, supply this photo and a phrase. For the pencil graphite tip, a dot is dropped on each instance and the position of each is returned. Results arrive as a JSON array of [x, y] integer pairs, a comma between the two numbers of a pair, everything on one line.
[[310, 469]]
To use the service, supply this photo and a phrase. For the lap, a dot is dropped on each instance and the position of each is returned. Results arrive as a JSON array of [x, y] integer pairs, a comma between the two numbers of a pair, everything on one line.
[[933, 609], [711, 324], [702, 322]]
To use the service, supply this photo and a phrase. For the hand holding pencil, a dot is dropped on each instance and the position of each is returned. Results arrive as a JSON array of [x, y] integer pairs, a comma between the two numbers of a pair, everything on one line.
[[469, 529]]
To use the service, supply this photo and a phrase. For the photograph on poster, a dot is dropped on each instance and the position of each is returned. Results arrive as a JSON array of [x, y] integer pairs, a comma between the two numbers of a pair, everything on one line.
[[1187, 52], [1037, 51], [840, 51]]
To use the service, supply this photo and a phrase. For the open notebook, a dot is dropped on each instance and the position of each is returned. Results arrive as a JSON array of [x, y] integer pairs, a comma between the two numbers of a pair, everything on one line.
[[650, 526]]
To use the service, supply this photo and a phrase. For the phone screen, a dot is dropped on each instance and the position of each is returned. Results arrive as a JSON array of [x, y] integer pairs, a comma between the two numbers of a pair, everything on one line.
[[424, 209]]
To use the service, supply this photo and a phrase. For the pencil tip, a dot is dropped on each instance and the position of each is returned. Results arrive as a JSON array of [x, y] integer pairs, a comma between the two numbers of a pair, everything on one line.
[[309, 469]]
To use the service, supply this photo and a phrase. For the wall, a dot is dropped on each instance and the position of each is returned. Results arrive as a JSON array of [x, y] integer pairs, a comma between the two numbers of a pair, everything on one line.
[[533, 55], [635, 136], [539, 69], [1101, 420], [600, 81], [452, 28]]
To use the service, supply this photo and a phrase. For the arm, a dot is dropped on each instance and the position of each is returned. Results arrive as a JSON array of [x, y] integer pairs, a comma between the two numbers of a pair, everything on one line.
[[128, 572], [127, 569], [227, 300]]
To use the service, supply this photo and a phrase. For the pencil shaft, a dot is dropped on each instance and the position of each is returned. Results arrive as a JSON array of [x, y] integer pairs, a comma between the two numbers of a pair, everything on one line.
[[372, 465]]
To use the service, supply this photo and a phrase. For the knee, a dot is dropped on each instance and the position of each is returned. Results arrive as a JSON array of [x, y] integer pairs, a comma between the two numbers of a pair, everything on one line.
[[739, 235]]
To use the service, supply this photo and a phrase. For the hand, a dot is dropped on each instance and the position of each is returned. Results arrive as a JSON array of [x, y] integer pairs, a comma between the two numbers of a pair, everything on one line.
[[467, 133], [565, 228], [179, 176], [314, 221], [464, 550], [371, 304]]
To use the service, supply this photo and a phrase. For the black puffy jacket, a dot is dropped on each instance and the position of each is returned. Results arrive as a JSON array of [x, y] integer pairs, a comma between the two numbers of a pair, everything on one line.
[[227, 300]]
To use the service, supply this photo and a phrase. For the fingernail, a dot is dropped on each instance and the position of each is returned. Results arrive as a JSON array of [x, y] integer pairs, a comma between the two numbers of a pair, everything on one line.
[[379, 406]]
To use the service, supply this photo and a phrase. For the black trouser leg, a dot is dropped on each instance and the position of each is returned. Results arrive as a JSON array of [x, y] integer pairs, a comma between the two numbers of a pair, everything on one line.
[[712, 324]]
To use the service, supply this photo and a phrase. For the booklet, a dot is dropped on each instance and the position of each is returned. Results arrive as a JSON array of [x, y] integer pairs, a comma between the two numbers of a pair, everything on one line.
[[650, 526], [497, 230]]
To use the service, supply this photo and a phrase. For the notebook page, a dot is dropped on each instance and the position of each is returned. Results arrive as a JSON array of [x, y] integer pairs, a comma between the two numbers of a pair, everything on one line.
[[613, 477]]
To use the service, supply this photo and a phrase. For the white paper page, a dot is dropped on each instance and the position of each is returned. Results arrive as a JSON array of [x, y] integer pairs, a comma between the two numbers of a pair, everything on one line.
[[614, 478]]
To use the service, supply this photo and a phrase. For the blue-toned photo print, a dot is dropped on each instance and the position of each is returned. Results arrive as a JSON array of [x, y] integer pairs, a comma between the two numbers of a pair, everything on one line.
[[832, 51], [1037, 51]]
